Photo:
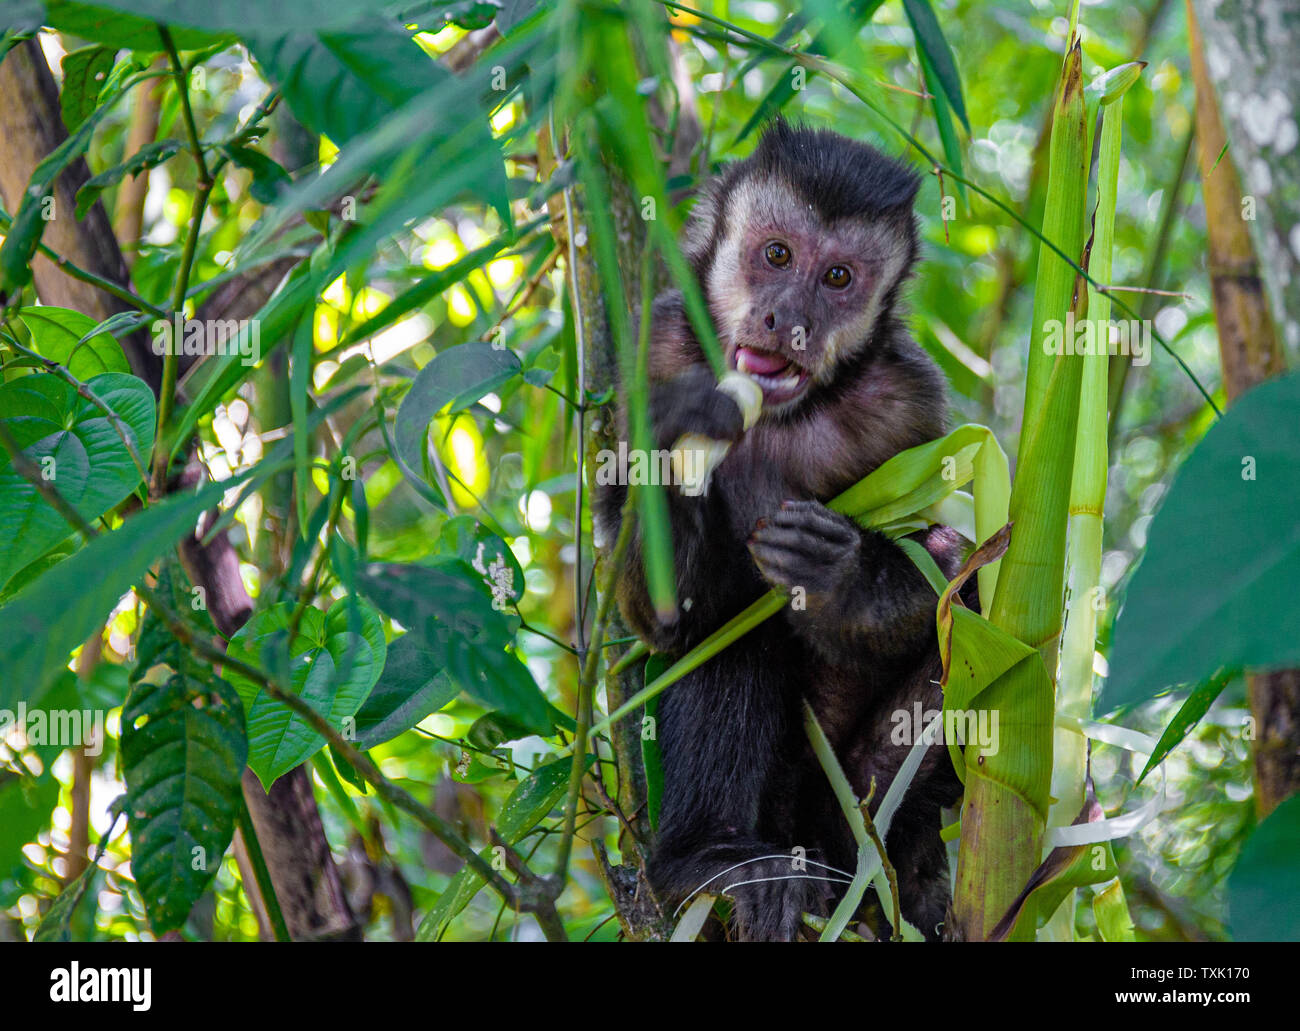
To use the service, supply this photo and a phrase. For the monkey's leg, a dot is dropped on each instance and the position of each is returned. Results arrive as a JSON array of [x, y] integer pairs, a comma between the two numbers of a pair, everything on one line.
[[725, 740]]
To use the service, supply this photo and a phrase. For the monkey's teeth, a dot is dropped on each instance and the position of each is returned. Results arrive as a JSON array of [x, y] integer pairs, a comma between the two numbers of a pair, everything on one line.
[[778, 384]]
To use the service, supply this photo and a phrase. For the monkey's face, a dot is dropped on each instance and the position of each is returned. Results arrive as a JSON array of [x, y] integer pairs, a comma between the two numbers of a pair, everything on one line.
[[793, 297]]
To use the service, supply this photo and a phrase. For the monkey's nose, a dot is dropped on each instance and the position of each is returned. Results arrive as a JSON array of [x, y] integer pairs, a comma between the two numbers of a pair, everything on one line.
[[770, 320]]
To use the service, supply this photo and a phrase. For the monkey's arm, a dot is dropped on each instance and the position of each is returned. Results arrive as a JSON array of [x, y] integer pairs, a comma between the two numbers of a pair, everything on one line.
[[862, 592], [704, 557]]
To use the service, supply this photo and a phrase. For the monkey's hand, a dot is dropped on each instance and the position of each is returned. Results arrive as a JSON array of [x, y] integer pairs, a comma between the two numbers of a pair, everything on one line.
[[691, 403], [860, 591], [804, 545]]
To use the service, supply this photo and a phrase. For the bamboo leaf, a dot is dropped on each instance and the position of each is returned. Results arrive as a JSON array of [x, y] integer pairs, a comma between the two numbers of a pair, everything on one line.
[[933, 48]]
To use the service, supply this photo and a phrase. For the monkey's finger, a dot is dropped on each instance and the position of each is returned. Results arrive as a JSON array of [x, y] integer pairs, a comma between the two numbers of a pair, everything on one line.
[[778, 575], [782, 565], [817, 518], [813, 510], [798, 540]]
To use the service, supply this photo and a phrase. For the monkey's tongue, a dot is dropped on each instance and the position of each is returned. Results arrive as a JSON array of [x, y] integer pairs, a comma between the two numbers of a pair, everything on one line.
[[760, 363]]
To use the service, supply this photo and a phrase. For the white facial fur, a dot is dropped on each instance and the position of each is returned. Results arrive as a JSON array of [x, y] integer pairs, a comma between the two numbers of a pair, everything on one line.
[[760, 210]]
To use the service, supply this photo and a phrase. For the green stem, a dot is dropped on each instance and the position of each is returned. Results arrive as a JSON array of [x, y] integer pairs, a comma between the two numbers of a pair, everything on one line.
[[202, 190], [262, 875], [587, 687]]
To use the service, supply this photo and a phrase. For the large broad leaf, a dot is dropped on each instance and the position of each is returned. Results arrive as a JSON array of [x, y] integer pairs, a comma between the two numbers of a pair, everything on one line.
[[335, 659], [1217, 586], [534, 797], [113, 27], [342, 84], [1263, 904], [76, 447], [67, 337], [452, 618], [183, 751], [453, 379], [411, 687], [248, 15], [52, 615]]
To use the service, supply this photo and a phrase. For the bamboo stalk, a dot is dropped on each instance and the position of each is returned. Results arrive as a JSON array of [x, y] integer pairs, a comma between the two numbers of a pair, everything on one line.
[[1004, 809], [1087, 502]]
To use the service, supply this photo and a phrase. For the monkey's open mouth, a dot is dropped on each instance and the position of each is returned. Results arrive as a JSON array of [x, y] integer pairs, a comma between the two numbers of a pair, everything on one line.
[[780, 378]]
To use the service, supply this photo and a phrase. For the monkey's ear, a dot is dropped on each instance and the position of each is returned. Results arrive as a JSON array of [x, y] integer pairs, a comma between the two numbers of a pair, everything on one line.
[[897, 183], [699, 233]]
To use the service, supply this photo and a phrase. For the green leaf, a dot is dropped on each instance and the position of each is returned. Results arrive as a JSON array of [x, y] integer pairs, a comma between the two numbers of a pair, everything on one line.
[[829, 41], [148, 156], [465, 538], [269, 176], [1197, 705], [56, 924], [84, 74], [933, 47], [411, 686], [60, 334], [183, 752], [446, 129], [943, 121], [56, 613], [334, 663], [119, 30], [1263, 904], [530, 802], [1237, 490], [246, 15], [26, 805], [651, 754], [453, 379], [452, 617], [342, 84], [77, 447]]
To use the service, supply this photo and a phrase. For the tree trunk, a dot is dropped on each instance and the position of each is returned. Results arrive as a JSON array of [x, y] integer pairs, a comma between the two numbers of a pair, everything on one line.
[[1249, 56]]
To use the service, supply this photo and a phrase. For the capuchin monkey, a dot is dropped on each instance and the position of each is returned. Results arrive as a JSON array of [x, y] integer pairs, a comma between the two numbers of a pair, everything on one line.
[[801, 251]]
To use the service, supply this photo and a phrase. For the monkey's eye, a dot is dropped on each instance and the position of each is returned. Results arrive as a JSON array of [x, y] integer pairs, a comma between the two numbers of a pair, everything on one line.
[[837, 276], [778, 254]]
